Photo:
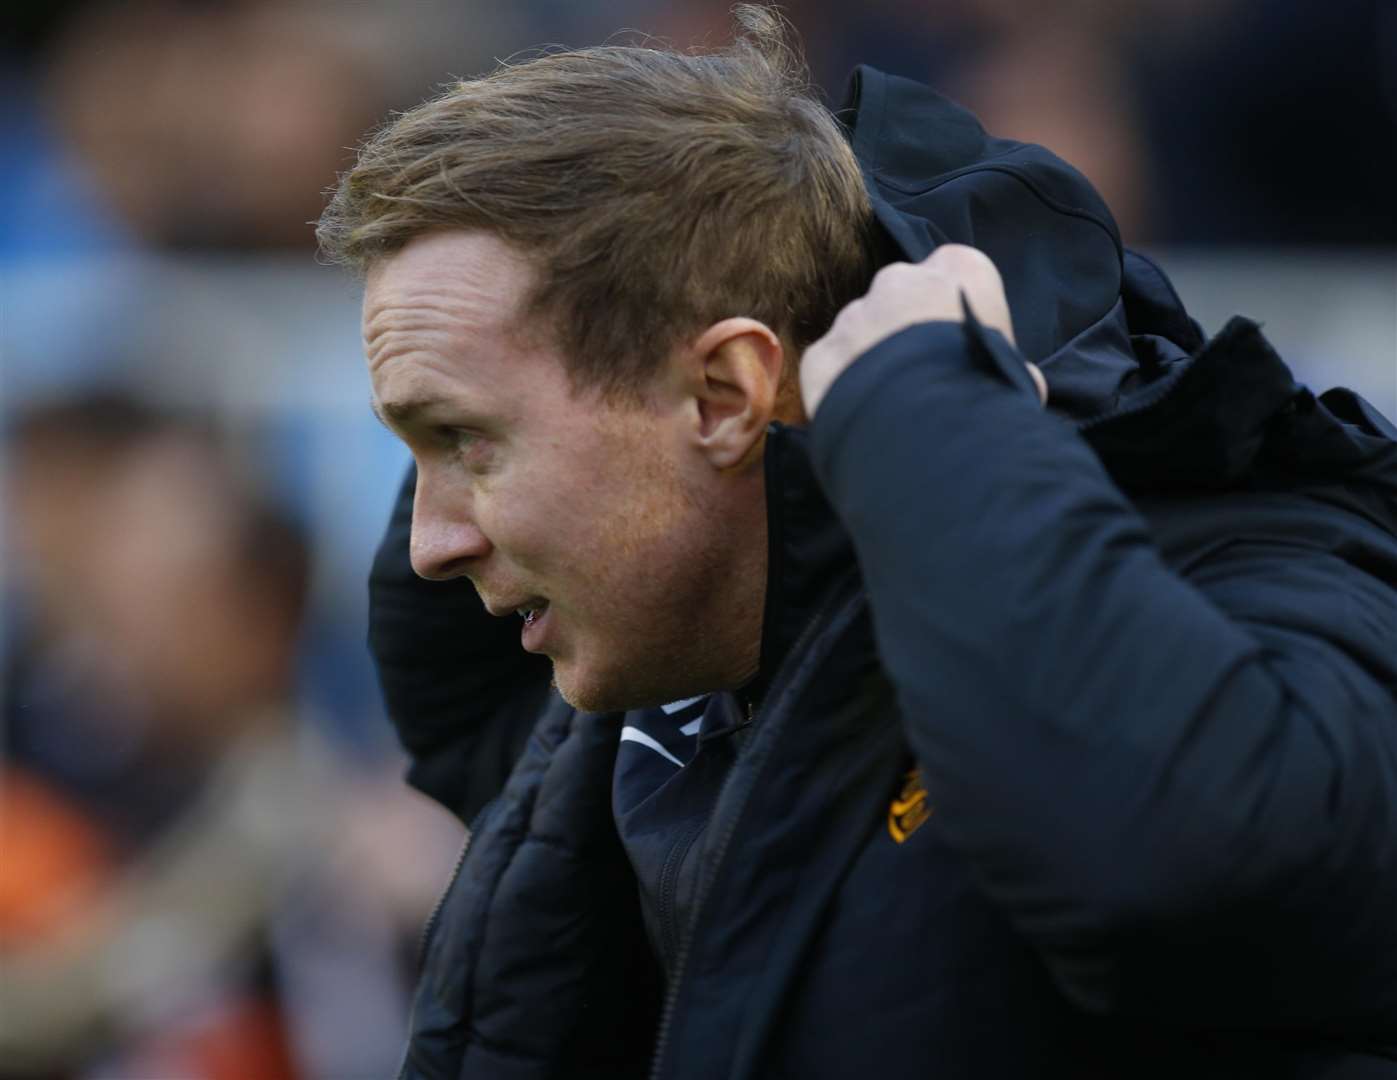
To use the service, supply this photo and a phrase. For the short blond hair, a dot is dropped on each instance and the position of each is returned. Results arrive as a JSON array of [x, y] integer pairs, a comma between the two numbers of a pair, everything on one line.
[[654, 191]]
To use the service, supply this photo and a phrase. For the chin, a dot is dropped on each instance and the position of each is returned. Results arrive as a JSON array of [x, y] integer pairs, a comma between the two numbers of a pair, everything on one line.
[[594, 696], [596, 692], [582, 690]]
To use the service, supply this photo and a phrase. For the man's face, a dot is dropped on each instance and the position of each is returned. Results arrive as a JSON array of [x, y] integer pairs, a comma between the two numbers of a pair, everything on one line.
[[595, 518]]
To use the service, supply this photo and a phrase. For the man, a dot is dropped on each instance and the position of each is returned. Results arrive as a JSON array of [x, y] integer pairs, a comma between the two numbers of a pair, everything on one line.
[[899, 723]]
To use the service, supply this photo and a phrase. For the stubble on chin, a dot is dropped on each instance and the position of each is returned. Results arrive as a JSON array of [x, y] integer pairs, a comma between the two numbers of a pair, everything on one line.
[[683, 657], [636, 689]]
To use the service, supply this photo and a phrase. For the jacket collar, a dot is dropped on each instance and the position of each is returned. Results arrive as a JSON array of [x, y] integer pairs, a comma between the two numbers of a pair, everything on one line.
[[806, 549]]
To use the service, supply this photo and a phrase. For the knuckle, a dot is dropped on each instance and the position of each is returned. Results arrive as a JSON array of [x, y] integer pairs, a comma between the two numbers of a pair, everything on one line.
[[965, 262], [890, 272], [848, 314]]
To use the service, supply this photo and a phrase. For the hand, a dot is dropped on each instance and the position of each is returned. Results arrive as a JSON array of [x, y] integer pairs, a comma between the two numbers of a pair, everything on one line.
[[902, 295]]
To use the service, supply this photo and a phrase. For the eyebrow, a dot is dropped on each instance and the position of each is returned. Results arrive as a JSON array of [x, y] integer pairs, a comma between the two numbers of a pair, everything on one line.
[[398, 412], [401, 416]]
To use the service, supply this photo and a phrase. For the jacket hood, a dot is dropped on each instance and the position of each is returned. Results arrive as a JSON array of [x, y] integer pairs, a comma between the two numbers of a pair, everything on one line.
[[1124, 362], [935, 176]]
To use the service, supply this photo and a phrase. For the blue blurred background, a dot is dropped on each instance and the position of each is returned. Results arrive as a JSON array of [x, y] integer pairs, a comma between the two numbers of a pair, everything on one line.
[[208, 866]]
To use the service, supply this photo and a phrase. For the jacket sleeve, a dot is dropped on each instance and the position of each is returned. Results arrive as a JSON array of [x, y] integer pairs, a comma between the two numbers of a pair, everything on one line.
[[1182, 790], [460, 691]]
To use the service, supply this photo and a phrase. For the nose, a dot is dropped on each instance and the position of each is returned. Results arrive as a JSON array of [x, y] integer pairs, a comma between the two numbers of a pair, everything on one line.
[[446, 543]]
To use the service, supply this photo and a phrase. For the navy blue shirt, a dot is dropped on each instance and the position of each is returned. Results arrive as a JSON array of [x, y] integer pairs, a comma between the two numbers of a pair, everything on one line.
[[667, 778]]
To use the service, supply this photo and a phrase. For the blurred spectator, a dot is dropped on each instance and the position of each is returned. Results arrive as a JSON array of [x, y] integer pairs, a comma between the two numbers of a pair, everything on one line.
[[213, 125], [166, 819]]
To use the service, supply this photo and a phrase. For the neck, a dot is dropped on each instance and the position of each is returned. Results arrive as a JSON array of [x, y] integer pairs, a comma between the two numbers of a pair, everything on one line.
[[745, 586]]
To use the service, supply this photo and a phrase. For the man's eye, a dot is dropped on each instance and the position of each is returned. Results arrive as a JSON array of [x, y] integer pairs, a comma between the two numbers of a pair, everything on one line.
[[456, 438], [467, 445]]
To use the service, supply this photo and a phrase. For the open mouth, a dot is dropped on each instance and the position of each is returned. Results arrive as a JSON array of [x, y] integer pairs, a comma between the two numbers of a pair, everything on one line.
[[531, 614], [534, 634]]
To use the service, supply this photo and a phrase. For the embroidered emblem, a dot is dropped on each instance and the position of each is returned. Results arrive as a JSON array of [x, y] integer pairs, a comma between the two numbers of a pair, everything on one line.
[[909, 810]]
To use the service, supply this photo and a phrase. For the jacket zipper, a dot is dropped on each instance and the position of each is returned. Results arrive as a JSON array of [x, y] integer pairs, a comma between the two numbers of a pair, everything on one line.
[[669, 886], [724, 842], [430, 926], [669, 927]]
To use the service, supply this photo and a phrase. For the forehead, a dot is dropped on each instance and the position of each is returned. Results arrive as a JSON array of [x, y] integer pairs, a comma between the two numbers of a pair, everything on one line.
[[468, 277], [441, 321]]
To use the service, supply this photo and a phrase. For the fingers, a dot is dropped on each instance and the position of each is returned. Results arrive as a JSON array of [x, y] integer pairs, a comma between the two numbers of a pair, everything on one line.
[[1039, 382], [978, 278], [933, 288], [984, 291], [901, 295], [966, 263]]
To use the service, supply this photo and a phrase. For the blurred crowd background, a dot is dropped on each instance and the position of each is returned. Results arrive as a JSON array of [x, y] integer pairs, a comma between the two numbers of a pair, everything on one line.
[[209, 868]]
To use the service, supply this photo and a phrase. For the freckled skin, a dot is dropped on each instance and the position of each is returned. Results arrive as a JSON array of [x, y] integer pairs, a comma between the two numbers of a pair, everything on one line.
[[652, 561]]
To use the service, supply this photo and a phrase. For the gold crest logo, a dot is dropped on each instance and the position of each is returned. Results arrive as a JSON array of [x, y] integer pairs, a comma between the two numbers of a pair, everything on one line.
[[909, 810]]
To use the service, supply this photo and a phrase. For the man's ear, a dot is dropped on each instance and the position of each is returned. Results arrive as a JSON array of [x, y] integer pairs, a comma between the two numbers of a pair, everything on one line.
[[734, 375]]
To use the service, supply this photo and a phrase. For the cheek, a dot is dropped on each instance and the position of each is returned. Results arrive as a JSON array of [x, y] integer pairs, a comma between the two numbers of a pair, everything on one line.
[[542, 523], [592, 512]]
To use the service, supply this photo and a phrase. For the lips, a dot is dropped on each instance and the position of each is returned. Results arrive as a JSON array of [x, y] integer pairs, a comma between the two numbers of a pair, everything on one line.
[[533, 610], [522, 606]]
